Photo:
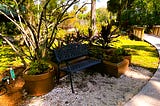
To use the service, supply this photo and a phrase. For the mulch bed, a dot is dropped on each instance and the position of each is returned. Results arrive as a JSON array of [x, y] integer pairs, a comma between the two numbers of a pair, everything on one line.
[[14, 94]]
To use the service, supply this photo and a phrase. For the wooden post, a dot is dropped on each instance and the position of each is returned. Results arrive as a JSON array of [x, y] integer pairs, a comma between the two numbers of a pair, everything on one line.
[[139, 32], [156, 30]]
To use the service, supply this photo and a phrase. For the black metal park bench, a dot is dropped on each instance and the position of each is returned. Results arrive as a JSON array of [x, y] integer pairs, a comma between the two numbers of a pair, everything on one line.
[[71, 52]]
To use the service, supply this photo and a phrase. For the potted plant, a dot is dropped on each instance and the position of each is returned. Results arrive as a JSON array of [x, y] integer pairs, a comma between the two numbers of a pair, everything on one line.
[[116, 64], [113, 63], [38, 24], [125, 53], [39, 78]]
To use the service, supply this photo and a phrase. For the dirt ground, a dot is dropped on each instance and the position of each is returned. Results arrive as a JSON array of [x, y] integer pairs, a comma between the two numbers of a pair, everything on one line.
[[14, 94]]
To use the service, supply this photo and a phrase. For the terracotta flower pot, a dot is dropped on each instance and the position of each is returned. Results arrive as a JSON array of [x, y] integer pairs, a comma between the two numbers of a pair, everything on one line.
[[156, 30], [139, 32], [113, 69], [37, 85], [129, 57]]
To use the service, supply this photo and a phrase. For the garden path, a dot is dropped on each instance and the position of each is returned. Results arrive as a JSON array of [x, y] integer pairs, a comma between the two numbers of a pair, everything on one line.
[[150, 93]]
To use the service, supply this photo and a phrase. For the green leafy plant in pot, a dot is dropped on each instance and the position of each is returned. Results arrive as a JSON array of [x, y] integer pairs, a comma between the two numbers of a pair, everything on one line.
[[37, 67], [39, 78], [123, 53], [113, 64]]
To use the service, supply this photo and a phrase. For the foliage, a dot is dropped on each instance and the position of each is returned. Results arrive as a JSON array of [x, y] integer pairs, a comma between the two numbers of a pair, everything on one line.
[[135, 12], [1, 42], [141, 12], [118, 55], [82, 28], [74, 37], [8, 58], [37, 67], [117, 6], [39, 26], [114, 55], [115, 59], [121, 51], [8, 28], [102, 15], [108, 32]]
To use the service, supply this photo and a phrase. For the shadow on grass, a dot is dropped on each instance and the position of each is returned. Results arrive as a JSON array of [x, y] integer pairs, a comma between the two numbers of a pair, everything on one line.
[[7, 52], [7, 57]]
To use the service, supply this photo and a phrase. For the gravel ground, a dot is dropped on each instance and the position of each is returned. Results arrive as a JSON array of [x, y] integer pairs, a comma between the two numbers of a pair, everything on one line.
[[93, 89]]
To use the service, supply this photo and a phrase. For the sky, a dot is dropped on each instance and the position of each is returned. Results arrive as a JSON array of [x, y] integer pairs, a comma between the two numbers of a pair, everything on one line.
[[101, 3]]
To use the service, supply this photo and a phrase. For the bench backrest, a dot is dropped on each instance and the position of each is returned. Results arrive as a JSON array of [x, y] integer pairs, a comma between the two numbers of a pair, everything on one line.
[[70, 51]]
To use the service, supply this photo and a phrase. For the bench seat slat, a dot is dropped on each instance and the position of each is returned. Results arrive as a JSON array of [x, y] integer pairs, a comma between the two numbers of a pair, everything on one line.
[[81, 65]]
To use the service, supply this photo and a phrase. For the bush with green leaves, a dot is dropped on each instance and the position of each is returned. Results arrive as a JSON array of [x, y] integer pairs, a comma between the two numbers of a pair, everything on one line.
[[141, 13], [9, 28], [37, 67], [122, 52]]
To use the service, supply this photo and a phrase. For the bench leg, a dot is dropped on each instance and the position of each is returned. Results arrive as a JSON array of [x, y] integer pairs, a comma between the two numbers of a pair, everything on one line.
[[70, 75], [58, 76]]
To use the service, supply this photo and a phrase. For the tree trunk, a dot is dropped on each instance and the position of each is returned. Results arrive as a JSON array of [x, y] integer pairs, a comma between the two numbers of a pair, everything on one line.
[[93, 17]]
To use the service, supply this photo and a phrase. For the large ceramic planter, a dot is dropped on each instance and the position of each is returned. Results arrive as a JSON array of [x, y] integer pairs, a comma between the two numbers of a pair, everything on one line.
[[129, 58], [139, 32], [156, 30], [114, 69], [37, 85]]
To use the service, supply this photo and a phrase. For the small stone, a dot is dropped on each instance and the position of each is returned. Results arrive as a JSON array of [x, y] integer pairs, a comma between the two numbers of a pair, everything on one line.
[[66, 102], [128, 96]]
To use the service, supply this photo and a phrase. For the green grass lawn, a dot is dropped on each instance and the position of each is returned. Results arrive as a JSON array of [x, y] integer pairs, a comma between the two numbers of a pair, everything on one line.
[[8, 58], [143, 54]]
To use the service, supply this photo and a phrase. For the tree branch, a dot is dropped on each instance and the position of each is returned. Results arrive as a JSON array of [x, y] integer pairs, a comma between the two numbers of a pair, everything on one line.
[[59, 19]]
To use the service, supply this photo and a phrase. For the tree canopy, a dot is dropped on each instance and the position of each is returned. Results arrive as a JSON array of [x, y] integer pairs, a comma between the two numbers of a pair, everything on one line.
[[135, 12]]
